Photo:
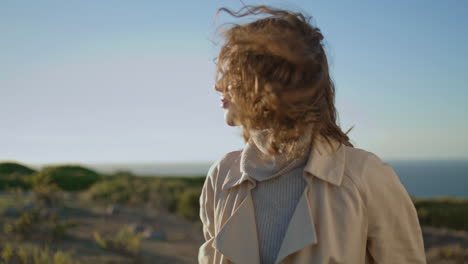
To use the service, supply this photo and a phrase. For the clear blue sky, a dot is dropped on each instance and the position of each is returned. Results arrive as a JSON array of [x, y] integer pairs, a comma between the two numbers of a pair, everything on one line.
[[131, 81]]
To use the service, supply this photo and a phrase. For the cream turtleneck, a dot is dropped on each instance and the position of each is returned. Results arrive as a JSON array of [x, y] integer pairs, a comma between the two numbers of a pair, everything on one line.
[[257, 163]]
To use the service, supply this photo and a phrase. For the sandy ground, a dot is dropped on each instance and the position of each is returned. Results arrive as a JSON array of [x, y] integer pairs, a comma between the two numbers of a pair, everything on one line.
[[184, 237]]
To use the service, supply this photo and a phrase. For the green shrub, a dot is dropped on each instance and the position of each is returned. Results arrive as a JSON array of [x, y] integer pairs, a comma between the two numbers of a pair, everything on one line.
[[48, 195], [15, 181], [188, 205], [125, 242], [176, 195], [119, 174], [117, 190], [16, 200], [169, 192], [59, 229], [138, 191], [15, 175], [68, 177], [47, 227], [455, 253], [443, 212], [32, 254], [189, 181], [11, 167], [23, 226]]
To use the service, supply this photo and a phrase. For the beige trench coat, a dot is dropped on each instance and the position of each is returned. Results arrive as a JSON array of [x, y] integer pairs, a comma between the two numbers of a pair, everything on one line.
[[353, 210]]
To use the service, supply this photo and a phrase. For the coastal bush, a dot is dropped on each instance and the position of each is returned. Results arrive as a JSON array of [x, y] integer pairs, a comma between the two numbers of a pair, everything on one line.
[[59, 229], [25, 224], [188, 205], [12, 253], [189, 181], [67, 177], [443, 212], [125, 242], [39, 223], [49, 195], [15, 181], [15, 200], [119, 174], [169, 192], [14, 168], [455, 254], [174, 194], [155, 191], [14, 175], [122, 190]]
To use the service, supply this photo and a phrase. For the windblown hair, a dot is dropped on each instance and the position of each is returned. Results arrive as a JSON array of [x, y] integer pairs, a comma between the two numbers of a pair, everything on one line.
[[275, 71]]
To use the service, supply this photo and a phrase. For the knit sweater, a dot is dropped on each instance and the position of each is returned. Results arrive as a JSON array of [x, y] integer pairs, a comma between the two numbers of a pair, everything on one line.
[[279, 187]]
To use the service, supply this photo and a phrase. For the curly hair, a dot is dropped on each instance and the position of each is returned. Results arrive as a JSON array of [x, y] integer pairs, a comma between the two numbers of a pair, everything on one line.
[[275, 71]]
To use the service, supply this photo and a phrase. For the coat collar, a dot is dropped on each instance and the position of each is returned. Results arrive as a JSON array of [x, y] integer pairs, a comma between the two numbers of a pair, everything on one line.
[[323, 163]]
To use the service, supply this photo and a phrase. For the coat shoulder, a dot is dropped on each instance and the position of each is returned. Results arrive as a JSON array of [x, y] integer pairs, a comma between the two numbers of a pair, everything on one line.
[[219, 168], [358, 163], [366, 169]]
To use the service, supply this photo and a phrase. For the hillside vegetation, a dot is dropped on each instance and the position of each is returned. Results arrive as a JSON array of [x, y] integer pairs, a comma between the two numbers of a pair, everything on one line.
[[72, 214]]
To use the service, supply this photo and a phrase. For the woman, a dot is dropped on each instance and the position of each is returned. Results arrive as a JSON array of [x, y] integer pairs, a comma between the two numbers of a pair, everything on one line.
[[298, 192]]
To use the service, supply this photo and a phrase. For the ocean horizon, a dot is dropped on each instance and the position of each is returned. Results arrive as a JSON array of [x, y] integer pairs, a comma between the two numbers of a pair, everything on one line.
[[421, 178]]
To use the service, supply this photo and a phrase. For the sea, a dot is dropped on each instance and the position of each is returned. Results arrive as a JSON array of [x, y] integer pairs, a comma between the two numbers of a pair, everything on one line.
[[422, 178], [433, 178]]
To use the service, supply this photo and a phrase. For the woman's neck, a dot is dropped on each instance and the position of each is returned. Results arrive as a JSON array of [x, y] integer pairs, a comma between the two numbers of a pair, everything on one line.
[[261, 140], [262, 166]]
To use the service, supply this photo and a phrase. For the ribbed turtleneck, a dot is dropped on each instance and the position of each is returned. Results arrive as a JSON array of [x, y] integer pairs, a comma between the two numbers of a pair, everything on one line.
[[279, 187]]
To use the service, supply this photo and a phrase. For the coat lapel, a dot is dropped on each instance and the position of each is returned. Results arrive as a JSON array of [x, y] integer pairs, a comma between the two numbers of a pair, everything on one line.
[[301, 229], [238, 239]]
